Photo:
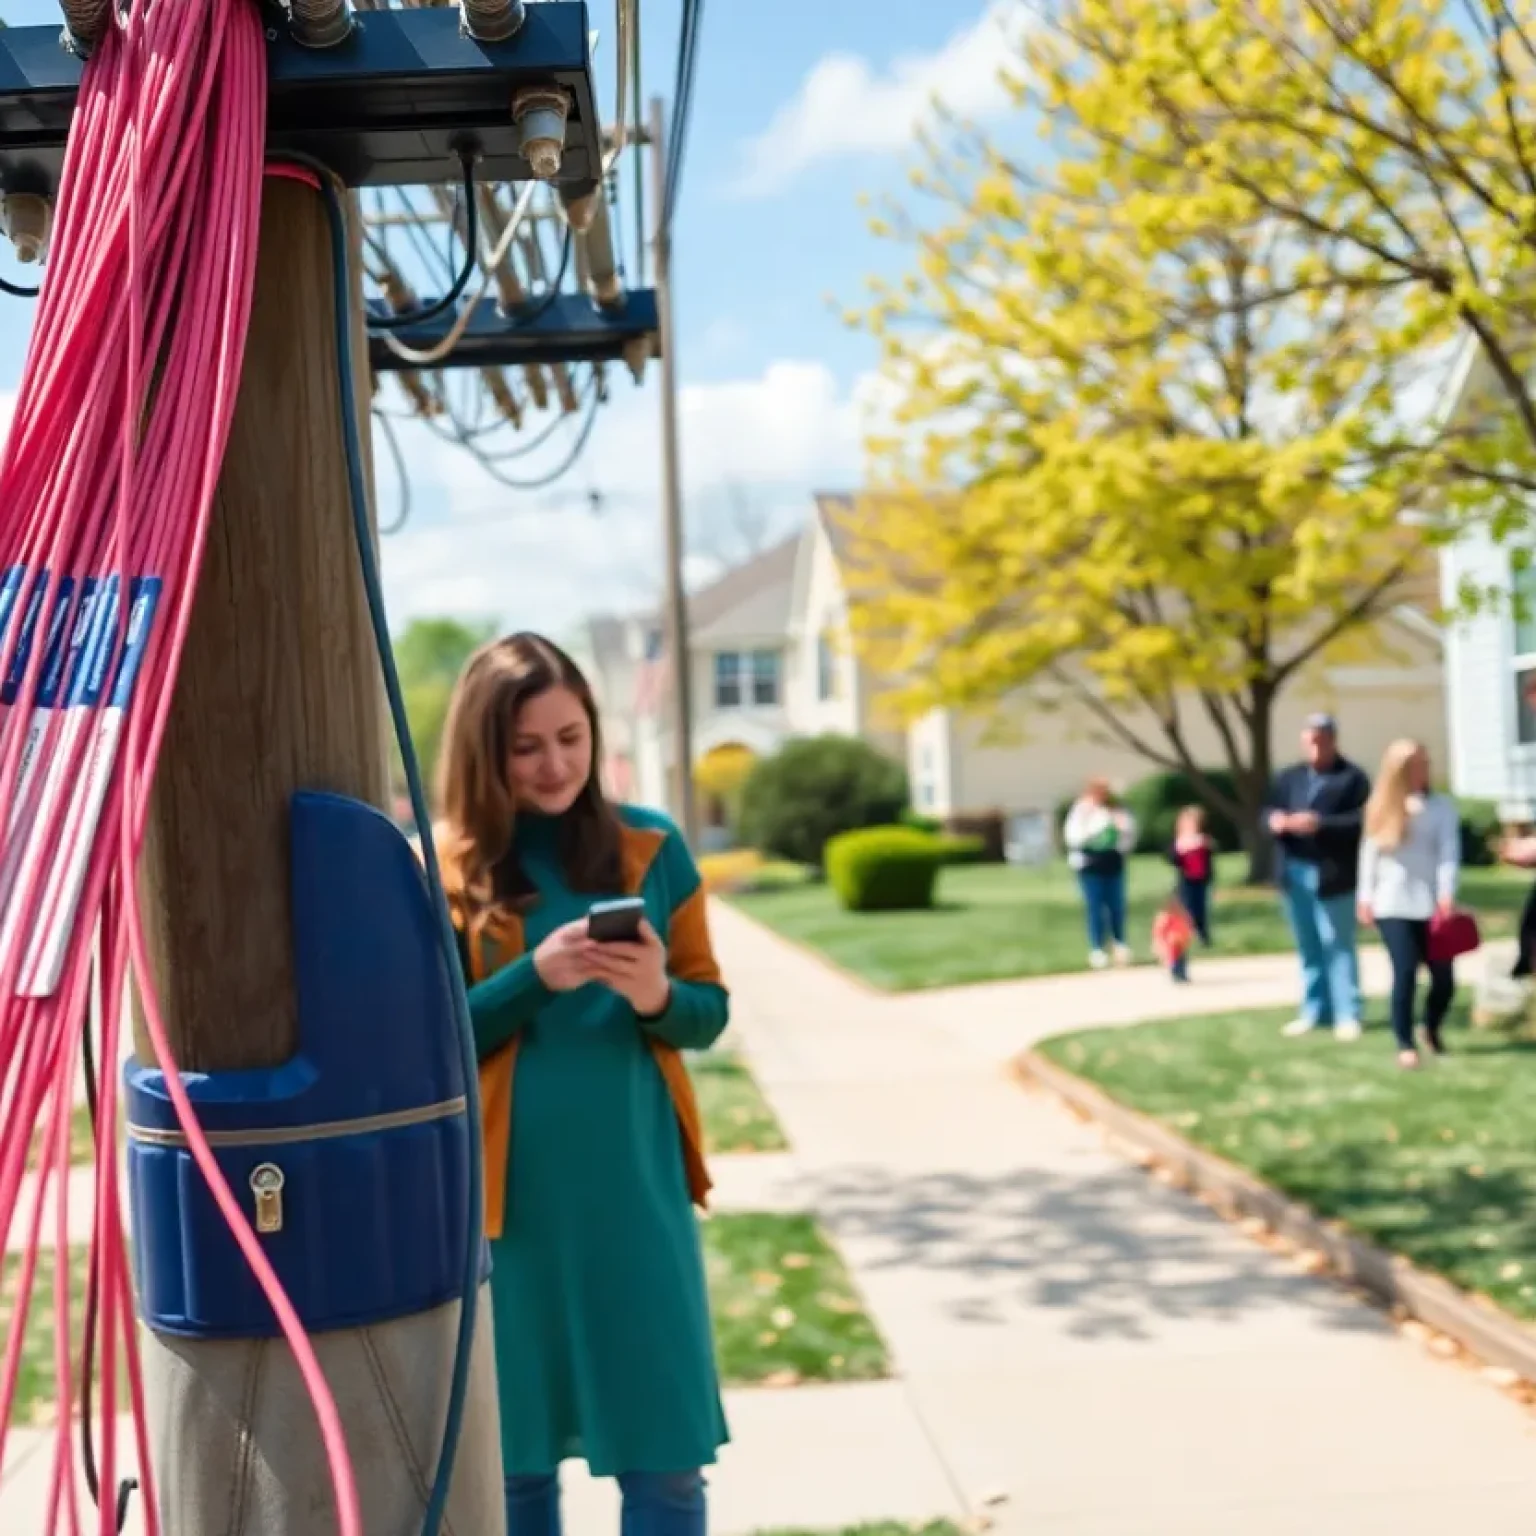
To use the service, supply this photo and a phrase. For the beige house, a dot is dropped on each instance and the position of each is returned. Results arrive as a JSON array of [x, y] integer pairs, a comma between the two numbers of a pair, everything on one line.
[[771, 659]]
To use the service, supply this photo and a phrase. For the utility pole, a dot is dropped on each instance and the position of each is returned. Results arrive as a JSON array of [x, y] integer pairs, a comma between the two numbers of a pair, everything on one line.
[[672, 492], [280, 691]]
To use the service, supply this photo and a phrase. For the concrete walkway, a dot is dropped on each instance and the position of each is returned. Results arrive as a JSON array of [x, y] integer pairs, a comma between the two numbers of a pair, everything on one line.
[[1100, 1355]]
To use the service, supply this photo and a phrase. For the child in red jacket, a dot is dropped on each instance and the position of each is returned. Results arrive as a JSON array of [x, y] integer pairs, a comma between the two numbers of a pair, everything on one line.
[[1193, 855], [1172, 934]]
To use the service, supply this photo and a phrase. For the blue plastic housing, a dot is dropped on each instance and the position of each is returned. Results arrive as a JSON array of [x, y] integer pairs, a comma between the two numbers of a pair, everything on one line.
[[367, 1123]]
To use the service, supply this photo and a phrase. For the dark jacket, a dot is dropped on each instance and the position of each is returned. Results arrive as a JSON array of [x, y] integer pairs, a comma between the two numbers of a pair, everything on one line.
[[1338, 797]]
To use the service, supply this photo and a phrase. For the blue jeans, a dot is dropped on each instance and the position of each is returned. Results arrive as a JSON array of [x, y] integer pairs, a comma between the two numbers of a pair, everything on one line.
[[1195, 895], [1104, 901], [655, 1504], [1324, 928]]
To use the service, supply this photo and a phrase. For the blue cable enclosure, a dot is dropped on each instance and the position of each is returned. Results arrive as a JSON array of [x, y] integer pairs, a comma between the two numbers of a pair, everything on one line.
[[362, 1154], [356, 1150]]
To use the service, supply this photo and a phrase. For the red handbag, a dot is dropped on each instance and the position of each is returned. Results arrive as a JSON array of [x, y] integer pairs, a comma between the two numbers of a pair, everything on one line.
[[1453, 935]]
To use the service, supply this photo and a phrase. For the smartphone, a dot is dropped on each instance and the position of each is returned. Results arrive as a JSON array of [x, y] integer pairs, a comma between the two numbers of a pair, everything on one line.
[[616, 922]]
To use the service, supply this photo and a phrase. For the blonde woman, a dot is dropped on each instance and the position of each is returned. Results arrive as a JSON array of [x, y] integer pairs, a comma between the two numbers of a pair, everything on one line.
[[1409, 860]]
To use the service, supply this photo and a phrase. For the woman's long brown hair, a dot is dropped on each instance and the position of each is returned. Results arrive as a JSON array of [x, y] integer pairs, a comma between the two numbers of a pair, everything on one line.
[[477, 801]]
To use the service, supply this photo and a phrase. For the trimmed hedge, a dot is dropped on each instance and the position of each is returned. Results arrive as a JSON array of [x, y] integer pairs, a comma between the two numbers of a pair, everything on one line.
[[958, 849], [1480, 828], [814, 788], [884, 869]]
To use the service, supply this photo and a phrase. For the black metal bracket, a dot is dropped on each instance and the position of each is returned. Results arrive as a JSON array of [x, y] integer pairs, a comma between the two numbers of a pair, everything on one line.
[[390, 106], [567, 328]]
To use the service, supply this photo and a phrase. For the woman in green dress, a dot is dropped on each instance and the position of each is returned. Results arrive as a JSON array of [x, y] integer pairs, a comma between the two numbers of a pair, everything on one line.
[[593, 1151]]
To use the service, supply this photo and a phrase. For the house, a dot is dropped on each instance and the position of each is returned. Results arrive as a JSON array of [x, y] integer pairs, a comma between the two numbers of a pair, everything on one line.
[[1492, 650], [771, 659]]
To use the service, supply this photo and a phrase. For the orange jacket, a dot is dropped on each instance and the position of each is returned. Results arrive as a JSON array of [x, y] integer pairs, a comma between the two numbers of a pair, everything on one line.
[[495, 939], [1172, 934]]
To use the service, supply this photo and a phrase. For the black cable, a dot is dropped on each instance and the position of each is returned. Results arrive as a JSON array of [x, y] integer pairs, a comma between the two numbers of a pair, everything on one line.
[[126, 1485], [540, 306], [563, 467], [639, 95], [682, 109], [18, 292], [505, 455], [467, 271]]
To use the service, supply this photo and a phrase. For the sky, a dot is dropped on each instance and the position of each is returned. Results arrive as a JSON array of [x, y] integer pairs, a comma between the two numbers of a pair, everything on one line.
[[799, 108]]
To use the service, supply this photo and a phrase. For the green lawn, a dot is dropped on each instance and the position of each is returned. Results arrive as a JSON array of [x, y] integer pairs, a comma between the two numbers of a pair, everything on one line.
[[736, 1116], [993, 922], [82, 1144], [785, 1308], [35, 1395], [1438, 1164]]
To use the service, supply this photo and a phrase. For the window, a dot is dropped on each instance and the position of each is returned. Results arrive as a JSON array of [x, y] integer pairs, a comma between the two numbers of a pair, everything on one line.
[[826, 668], [728, 680], [1523, 587], [765, 677], [746, 677]]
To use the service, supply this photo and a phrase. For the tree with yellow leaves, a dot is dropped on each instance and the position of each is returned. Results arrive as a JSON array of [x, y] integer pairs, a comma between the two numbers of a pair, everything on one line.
[[1392, 139], [1152, 466]]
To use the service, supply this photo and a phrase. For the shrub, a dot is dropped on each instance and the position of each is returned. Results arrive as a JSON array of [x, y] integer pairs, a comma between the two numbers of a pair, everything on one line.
[[990, 827], [815, 788], [884, 869], [919, 822], [1480, 827], [957, 849], [1156, 801]]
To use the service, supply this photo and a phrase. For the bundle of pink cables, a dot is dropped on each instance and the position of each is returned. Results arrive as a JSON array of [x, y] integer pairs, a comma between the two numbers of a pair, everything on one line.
[[107, 485]]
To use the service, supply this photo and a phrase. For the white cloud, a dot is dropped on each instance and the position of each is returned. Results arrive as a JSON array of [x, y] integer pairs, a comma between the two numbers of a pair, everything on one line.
[[543, 559], [845, 106]]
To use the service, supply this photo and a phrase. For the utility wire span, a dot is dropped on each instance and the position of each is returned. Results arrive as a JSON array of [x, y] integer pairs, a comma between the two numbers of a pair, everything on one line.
[[682, 104]]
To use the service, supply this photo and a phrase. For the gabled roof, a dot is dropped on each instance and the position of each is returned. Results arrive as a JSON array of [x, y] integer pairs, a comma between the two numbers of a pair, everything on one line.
[[749, 602], [833, 509]]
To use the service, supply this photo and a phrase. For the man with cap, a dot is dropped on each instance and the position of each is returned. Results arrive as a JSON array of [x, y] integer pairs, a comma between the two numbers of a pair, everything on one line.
[[1314, 813]]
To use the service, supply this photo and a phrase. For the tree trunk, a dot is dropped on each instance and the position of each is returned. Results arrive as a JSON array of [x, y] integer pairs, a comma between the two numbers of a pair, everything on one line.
[[1253, 787]]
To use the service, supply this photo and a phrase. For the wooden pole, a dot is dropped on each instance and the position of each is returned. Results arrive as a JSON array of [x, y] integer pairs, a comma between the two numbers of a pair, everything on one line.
[[279, 691], [676, 615]]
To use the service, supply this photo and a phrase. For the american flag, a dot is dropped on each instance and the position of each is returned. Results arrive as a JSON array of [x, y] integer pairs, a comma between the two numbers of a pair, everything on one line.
[[651, 677]]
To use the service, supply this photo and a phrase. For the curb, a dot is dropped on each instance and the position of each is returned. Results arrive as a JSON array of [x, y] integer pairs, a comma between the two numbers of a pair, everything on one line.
[[1476, 1324]]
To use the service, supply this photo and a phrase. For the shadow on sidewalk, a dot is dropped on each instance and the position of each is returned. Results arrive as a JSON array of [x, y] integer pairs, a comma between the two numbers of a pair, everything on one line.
[[1112, 1255]]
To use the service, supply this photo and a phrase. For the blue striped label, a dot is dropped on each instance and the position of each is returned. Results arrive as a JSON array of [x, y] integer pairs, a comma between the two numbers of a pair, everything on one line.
[[54, 658], [146, 595], [18, 667], [10, 585], [80, 639], [90, 679]]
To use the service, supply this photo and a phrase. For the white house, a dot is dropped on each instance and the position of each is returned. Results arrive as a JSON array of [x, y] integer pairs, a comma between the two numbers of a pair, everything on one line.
[[1489, 653], [771, 659]]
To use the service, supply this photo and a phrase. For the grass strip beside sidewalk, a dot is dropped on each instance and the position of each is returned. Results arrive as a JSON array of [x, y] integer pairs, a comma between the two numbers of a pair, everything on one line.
[[785, 1308], [1438, 1165], [736, 1116]]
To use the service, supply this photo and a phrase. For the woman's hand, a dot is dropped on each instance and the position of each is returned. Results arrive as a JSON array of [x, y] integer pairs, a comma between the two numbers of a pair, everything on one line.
[[563, 960], [637, 972], [1445, 907], [1364, 913]]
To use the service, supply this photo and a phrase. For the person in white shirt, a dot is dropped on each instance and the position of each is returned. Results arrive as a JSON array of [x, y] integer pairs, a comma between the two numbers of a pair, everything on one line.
[[1409, 860], [1099, 835]]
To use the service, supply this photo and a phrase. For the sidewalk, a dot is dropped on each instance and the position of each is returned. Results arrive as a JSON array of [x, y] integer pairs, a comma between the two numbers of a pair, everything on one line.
[[1104, 1355]]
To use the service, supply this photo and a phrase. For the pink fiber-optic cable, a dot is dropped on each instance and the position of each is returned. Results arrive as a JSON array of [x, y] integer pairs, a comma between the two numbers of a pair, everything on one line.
[[108, 477]]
